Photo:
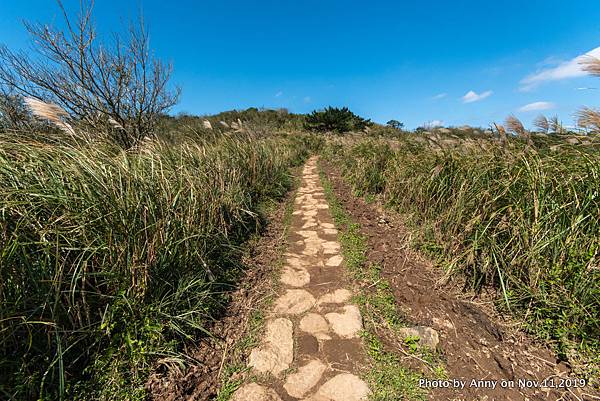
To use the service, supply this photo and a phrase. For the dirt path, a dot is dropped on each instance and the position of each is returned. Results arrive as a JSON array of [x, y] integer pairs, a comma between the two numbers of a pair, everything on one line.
[[310, 348]]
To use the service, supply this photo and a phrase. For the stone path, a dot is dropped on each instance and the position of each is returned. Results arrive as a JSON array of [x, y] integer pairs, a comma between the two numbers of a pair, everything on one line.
[[311, 348]]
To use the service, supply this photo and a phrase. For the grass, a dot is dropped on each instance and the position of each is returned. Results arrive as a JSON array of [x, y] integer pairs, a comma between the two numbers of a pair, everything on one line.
[[522, 219], [113, 259], [388, 376], [231, 380]]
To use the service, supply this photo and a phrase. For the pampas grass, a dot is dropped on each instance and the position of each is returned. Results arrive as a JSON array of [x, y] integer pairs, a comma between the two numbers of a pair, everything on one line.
[[590, 64], [555, 125], [51, 113], [541, 122], [110, 258], [588, 118], [514, 125]]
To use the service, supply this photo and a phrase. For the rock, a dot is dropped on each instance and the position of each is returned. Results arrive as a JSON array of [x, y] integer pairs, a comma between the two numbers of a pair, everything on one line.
[[428, 337], [295, 261], [346, 324], [331, 247], [327, 225], [295, 277], [276, 352], [334, 261], [254, 392], [339, 296], [330, 231], [316, 325], [343, 387], [311, 247], [294, 302], [301, 382]]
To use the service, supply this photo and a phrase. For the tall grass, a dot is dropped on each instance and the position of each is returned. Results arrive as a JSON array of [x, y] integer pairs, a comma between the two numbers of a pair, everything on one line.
[[524, 221], [111, 259]]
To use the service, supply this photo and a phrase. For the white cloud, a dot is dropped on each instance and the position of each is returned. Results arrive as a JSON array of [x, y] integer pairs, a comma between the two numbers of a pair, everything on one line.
[[440, 96], [472, 96], [564, 70], [279, 94], [536, 106], [433, 124]]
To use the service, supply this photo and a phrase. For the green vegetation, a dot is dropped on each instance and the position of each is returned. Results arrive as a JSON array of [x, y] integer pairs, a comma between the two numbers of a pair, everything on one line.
[[519, 217], [230, 379], [111, 259], [389, 379], [333, 119]]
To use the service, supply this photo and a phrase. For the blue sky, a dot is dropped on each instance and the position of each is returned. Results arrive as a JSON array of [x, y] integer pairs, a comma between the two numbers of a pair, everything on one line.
[[459, 62]]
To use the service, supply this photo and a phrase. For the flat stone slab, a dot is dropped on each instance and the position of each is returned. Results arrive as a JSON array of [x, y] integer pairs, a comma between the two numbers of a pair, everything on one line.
[[254, 392], [301, 382], [294, 276], [331, 247], [308, 233], [316, 325], [339, 296], [294, 302], [346, 324], [334, 261], [276, 352], [343, 387]]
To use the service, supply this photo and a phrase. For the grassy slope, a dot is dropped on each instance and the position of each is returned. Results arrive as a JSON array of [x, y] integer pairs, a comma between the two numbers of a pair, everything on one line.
[[524, 221], [111, 259]]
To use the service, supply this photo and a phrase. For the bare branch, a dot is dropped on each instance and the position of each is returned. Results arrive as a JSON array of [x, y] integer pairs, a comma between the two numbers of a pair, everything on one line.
[[120, 89]]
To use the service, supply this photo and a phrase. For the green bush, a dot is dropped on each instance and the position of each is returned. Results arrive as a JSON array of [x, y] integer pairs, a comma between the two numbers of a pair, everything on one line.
[[110, 259], [333, 119]]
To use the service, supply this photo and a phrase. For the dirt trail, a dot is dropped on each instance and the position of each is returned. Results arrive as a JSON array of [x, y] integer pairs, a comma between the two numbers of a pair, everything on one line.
[[310, 348]]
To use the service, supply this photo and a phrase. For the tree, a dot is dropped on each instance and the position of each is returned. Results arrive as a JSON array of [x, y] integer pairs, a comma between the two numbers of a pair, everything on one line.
[[120, 89], [395, 124], [333, 119]]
